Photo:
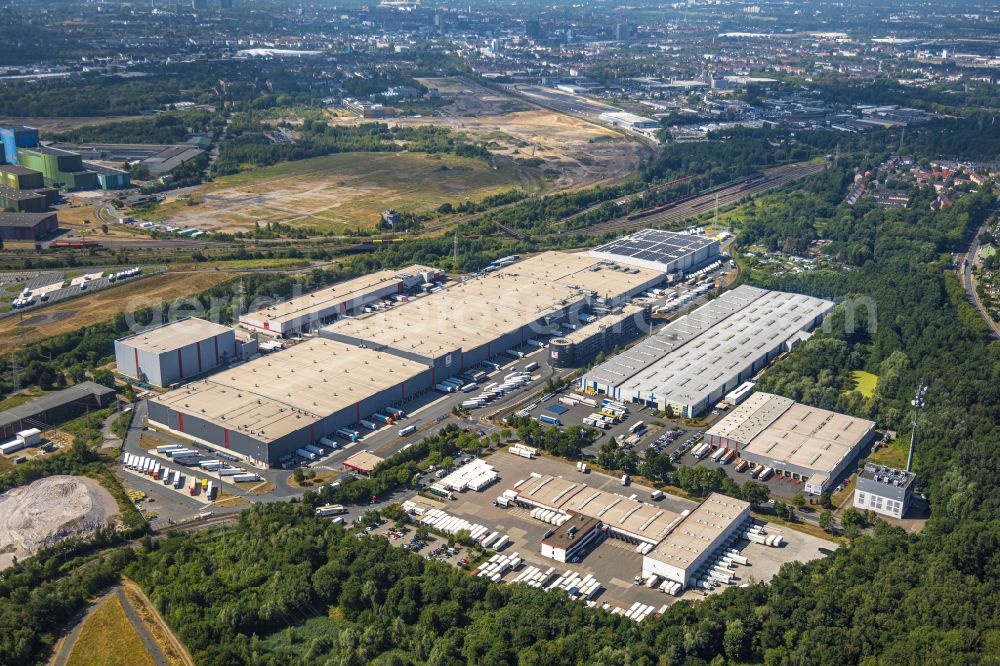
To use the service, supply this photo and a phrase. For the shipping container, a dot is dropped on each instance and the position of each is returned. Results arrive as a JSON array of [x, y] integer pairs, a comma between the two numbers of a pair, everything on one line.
[[531, 366], [308, 455], [168, 447], [327, 442], [767, 472], [245, 477], [312, 448], [330, 510], [410, 429], [545, 418], [179, 481], [368, 424], [637, 427]]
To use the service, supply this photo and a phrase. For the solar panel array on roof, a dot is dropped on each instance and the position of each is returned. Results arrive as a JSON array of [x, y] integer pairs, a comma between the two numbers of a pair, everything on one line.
[[666, 250]]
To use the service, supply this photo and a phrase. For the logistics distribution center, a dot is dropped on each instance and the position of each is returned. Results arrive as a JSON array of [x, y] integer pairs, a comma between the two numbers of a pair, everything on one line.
[[694, 361], [806, 444], [320, 307], [675, 546], [266, 409]]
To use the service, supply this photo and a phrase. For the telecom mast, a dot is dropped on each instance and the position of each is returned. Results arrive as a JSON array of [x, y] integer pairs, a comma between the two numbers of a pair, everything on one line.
[[918, 403]]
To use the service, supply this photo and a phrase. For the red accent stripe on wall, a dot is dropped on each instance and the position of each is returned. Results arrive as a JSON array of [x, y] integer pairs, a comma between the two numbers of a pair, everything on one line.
[[197, 348], [357, 407], [137, 371], [180, 421], [312, 432], [227, 436], [216, 339], [432, 375], [180, 363]]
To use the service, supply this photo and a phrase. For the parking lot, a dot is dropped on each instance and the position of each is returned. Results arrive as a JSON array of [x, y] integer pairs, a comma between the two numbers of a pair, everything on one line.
[[613, 562]]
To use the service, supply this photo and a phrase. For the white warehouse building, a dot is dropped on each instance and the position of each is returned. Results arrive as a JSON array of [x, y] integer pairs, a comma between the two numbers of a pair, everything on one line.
[[694, 361]]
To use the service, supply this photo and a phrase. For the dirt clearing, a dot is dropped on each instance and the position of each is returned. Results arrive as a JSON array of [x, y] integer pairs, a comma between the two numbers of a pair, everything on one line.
[[49, 510], [103, 305], [342, 192], [573, 152]]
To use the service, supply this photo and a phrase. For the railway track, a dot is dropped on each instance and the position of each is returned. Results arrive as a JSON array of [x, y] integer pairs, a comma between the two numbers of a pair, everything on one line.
[[684, 210]]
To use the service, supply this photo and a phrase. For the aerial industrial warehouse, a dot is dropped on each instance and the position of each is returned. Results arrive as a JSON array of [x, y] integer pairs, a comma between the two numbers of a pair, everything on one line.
[[806, 444], [691, 544], [461, 326], [678, 545], [693, 362], [664, 251], [168, 354], [627, 519], [266, 409], [325, 305]]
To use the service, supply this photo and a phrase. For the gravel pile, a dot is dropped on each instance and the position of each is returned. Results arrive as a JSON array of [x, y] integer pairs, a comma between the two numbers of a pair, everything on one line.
[[49, 510]]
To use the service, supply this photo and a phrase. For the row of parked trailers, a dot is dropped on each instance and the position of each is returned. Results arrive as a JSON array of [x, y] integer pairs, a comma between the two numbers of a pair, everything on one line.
[[549, 516], [176, 479], [609, 413], [179, 453], [497, 566], [445, 522], [757, 534], [512, 381], [638, 611]]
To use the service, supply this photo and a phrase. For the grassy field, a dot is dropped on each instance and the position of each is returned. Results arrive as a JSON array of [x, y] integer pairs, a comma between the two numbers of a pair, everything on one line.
[[100, 306], [892, 454], [864, 382], [108, 638], [173, 649], [340, 192], [241, 264], [21, 398]]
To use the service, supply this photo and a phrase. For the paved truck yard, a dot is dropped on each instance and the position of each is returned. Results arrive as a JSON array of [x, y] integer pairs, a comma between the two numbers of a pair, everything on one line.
[[613, 562]]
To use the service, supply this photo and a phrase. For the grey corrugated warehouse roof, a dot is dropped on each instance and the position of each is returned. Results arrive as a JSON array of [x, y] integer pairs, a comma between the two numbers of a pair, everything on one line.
[[620, 368], [33, 408]]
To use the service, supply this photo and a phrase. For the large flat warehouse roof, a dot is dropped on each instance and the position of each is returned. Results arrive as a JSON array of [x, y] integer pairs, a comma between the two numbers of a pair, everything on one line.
[[689, 374], [699, 531], [175, 335], [479, 310], [785, 431], [334, 294], [278, 394]]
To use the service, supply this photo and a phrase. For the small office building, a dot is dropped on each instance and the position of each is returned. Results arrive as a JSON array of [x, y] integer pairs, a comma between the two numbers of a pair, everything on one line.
[[884, 490]]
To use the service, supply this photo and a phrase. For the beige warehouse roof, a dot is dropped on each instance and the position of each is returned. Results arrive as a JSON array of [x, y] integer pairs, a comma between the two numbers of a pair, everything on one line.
[[616, 511], [699, 530], [809, 437], [335, 294], [749, 419], [365, 461], [175, 335], [274, 395], [479, 310]]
